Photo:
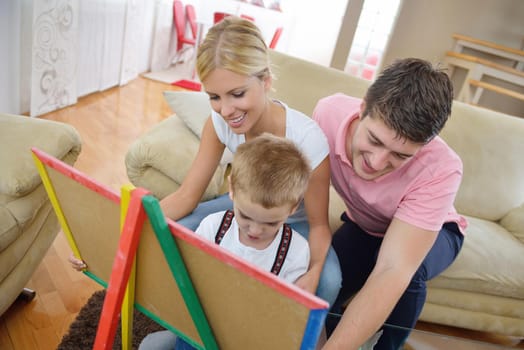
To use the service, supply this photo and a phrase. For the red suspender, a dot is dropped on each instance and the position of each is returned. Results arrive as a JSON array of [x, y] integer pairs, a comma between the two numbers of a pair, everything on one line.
[[283, 247], [224, 226]]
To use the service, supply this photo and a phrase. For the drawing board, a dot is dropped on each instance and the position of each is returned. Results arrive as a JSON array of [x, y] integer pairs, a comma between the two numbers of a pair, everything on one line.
[[244, 306]]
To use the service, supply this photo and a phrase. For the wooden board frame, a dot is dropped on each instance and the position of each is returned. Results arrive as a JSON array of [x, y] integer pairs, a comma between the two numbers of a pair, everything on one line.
[[244, 306]]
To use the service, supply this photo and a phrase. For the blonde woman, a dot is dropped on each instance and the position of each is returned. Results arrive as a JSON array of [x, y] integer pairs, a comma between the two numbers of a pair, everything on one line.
[[234, 68]]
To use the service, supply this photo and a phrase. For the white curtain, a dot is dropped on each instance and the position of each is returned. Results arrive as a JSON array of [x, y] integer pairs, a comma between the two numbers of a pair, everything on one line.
[[84, 46], [162, 36]]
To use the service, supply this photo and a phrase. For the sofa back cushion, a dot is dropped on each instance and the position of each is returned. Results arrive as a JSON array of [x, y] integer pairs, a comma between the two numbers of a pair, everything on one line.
[[490, 145], [301, 84]]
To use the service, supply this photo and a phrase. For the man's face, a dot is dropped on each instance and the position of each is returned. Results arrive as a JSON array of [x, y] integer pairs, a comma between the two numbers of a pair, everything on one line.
[[375, 150]]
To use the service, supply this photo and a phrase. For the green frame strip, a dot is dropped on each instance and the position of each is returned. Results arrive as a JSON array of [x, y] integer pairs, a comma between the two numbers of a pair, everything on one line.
[[179, 271]]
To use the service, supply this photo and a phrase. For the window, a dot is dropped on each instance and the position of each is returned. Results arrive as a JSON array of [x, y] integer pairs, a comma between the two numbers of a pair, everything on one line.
[[374, 26]]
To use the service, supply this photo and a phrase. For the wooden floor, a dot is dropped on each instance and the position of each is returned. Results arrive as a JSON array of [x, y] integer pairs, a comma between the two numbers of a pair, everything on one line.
[[108, 123]]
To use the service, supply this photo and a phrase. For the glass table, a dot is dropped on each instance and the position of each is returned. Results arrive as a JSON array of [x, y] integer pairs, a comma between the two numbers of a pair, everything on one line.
[[426, 340]]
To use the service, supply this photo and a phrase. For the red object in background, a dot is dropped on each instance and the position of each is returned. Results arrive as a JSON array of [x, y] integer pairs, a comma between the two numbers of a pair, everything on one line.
[[276, 36], [258, 3], [179, 18], [188, 84], [372, 60], [252, 19], [191, 18], [367, 73], [218, 16]]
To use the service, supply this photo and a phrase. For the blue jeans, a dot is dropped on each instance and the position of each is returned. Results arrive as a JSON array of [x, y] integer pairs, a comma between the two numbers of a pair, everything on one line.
[[164, 340], [161, 340], [357, 252], [330, 278]]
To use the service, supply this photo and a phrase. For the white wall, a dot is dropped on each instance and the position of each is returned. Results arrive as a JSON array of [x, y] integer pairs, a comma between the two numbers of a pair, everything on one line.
[[424, 29], [316, 25]]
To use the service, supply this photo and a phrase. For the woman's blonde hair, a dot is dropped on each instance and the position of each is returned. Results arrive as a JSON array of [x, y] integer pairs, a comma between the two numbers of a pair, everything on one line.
[[271, 171], [235, 44]]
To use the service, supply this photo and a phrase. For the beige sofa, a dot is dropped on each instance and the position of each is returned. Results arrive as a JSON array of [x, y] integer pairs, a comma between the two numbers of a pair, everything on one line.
[[484, 288], [28, 224]]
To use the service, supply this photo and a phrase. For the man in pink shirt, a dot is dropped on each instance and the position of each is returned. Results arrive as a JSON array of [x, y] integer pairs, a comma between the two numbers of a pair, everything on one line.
[[398, 180]]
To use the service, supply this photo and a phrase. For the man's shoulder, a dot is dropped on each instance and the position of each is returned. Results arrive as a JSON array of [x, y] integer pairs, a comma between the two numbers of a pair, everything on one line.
[[340, 100], [444, 152], [337, 106]]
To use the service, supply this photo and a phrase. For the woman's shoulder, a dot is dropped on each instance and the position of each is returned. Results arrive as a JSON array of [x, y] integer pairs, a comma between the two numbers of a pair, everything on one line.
[[294, 116], [299, 125]]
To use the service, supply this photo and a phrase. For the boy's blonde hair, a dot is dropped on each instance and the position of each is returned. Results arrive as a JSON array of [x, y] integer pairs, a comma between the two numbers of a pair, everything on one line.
[[271, 171], [235, 44]]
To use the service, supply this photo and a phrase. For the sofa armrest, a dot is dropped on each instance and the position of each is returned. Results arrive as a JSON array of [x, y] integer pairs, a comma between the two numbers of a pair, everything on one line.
[[18, 174], [160, 159]]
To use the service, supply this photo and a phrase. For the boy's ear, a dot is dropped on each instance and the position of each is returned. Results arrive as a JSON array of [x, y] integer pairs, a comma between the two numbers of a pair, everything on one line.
[[230, 187]]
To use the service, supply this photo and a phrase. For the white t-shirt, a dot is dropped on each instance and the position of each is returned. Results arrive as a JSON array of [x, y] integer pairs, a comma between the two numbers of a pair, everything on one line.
[[302, 130], [297, 258]]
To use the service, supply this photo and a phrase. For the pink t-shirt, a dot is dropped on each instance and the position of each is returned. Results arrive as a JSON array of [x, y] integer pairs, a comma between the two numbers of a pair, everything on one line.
[[421, 192]]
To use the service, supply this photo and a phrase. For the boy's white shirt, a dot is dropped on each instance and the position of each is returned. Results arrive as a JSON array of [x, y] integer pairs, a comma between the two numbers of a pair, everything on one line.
[[297, 259]]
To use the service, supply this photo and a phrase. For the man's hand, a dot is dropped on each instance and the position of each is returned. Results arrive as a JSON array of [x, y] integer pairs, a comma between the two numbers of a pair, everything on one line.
[[77, 264]]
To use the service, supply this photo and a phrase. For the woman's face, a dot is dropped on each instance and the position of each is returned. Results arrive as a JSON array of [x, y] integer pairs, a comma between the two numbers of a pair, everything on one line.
[[239, 99]]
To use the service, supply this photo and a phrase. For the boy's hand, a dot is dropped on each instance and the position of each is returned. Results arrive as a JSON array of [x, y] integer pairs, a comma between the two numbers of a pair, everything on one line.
[[77, 264]]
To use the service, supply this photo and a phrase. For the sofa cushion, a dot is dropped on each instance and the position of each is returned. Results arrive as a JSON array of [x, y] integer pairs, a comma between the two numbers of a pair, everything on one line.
[[514, 222], [18, 212], [9, 229], [490, 145], [193, 109], [190, 106], [300, 83], [18, 174], [487, 262], [160, 159]]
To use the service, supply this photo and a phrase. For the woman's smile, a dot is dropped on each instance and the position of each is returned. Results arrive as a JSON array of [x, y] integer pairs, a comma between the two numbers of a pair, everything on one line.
[[237, 122]]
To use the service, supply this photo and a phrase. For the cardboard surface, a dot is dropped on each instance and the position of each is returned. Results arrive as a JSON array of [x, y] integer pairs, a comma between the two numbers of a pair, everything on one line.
[[246, 307]]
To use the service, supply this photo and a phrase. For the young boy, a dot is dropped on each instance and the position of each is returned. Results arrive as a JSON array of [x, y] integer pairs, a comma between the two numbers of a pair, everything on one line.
[[268, 179]]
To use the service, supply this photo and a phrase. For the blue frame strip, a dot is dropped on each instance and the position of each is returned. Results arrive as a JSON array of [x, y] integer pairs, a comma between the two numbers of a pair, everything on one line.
[[313, 329]]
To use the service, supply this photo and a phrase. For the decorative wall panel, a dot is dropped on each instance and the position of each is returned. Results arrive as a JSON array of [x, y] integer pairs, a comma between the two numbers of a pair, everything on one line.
[[53, 78]]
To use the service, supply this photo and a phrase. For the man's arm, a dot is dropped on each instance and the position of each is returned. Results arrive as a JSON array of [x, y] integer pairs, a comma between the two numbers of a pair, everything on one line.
[[403, 249], [316, 202]]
